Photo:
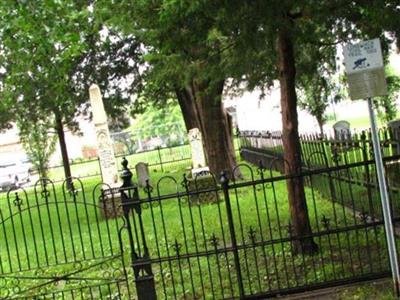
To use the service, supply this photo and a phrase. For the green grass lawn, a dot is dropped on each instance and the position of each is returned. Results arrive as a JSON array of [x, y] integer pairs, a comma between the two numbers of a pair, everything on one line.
[[55, 233], [162, 160], [382, 290], [60, 234], [359, 122]]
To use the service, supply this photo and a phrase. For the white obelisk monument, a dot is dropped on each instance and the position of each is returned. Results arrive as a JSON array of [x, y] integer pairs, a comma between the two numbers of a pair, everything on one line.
[[108, 163]]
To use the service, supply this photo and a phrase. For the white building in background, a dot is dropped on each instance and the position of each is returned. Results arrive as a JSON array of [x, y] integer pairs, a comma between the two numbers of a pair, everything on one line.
[[254, 113], [11, 147], [264, 114]]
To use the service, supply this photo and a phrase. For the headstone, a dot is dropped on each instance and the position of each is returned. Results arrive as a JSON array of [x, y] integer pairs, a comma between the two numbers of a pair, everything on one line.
[[341, 130], [198, 157], [394, 127], [142, 173], [201, 177], [108, 163], [110, 201]]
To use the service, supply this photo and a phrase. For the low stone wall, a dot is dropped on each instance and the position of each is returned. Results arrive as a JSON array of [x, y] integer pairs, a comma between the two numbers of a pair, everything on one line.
[[268, 161], [202, 183], [110, 204]]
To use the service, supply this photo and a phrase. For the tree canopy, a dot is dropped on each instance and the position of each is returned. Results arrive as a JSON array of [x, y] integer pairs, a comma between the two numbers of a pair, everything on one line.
[[198, 45], [60, 50], [51, 53], [182, 53], [160, 122]]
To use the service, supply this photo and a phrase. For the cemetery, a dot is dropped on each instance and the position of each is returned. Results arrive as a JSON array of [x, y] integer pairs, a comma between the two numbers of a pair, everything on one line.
[[190, 228], [199, 153]]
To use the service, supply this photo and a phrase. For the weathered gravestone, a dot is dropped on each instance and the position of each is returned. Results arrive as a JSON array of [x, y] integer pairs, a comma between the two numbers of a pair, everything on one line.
[[111, 199], [142, 173], [201, 178], [342, 142], [341, 130], [198, 157]]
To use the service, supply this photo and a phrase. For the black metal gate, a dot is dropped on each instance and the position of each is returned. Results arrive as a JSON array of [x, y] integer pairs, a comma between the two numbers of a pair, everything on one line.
[[56, 244], [201, 238], [234, 240]]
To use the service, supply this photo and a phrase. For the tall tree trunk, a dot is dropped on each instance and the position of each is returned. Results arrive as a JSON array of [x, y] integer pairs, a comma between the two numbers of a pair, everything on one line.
[[63, 148], [214, 127], [291, 144], [188, 107], [321, 125]]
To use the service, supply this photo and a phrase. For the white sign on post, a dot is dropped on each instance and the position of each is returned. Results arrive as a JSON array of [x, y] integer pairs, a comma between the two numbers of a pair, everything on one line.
[[366, 78], [365, 70]]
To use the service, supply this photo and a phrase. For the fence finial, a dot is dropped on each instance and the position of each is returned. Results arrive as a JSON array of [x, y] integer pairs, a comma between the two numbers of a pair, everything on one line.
[[224, 180], [126, 174]]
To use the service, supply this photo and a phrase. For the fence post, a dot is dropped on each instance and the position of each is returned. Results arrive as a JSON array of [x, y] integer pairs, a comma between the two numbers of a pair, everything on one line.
[[225, 187], [140, 259], [387, 216], [363, 145], [101, 172], [159, 156], [238, 140]]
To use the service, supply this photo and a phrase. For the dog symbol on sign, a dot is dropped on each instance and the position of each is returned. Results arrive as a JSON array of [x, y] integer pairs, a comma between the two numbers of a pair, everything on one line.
[[360, 63]]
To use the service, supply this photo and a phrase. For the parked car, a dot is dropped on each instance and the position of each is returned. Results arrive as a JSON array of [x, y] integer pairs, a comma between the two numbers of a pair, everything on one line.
[[14, 172]]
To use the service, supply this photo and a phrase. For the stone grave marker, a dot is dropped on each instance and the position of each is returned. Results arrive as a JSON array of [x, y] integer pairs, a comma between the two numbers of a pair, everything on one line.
[[201, 177], [108, 162], [142, 173], [341, 130], [111, 199], [198, 156]]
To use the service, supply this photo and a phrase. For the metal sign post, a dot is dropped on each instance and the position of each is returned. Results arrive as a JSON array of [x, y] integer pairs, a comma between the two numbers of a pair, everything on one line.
[[366, 79], [385, 201]]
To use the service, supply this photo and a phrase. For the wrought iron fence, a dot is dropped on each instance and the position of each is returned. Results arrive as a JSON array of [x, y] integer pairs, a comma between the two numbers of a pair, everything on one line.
[[332, 151], [55, 243], [241, 245], [161, 159], [191, 238], [344, 146]]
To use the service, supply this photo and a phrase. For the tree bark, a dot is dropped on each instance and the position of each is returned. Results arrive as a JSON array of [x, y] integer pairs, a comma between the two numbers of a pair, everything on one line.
[[63, 148], [187, 104], [321, 125], [202, 108], [215, 128], [291, 145]]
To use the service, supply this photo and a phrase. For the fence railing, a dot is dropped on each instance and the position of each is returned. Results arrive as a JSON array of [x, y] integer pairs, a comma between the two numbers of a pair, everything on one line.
[[242, 245], [351, 146], [334, 151], [193, 238], [159, 159], [323, 150]]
